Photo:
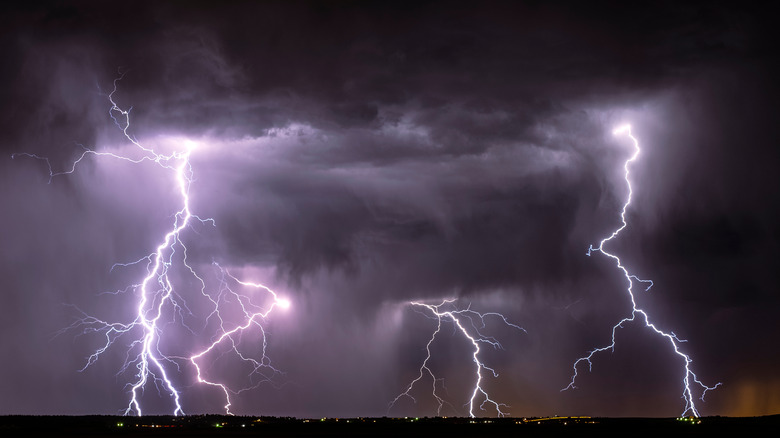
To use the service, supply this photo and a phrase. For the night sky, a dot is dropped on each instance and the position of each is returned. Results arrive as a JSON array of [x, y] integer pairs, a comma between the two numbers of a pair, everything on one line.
[[356, 156]]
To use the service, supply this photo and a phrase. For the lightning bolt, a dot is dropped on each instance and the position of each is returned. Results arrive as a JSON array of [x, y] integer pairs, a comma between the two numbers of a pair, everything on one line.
[[689, 377], [475, 337], [157, 298], [253, 314]]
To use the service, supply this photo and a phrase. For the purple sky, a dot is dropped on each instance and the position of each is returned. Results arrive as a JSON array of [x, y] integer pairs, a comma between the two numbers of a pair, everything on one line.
[[356, 156]]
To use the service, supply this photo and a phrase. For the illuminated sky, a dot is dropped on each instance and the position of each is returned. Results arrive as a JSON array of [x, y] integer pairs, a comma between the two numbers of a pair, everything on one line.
[[357, 156]]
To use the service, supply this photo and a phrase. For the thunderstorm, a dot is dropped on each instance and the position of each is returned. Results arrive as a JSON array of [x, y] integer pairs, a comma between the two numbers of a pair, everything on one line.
[[321, 210]]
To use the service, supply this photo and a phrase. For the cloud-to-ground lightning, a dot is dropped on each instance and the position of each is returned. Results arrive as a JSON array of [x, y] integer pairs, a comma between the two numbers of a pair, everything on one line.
[[689, 377], [159, 303], [467, 322], [253, 314]]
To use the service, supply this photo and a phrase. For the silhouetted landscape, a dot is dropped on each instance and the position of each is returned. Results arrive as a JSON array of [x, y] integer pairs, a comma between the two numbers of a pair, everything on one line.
[[219, 425]]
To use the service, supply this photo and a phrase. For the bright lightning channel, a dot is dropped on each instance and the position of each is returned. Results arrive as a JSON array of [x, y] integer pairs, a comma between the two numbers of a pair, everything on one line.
[[475, 338], [689, 377], [253, 315], [157, 295]]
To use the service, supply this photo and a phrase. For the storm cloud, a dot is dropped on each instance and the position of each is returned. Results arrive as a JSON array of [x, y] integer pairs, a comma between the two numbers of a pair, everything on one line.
[[358, 155]]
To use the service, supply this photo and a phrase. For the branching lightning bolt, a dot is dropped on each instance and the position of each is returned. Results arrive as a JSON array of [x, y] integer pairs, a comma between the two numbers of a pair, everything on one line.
[[253, 314], [689, 377], [157, 296], [471, 331]]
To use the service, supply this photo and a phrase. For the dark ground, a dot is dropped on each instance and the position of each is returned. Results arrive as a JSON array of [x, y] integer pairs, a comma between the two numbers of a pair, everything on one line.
[[217, 425]]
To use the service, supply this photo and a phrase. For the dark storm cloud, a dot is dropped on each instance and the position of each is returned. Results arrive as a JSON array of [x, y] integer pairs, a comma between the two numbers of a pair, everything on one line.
[[366, 154]]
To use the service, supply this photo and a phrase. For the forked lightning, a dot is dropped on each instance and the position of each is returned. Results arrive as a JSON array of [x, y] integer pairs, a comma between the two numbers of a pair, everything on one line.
[[159, 303], [468, 323], [689, 379]]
